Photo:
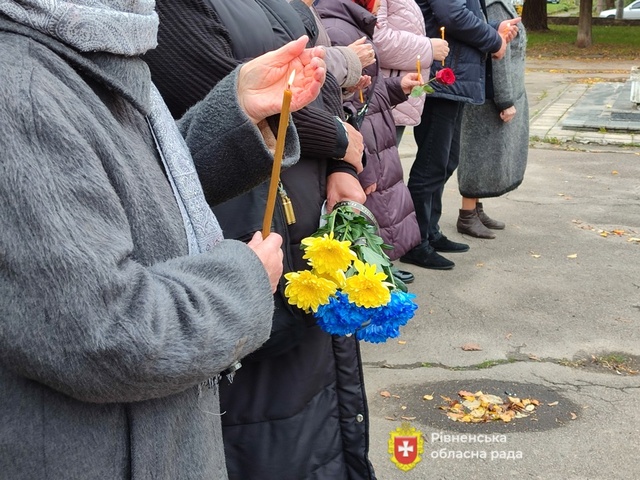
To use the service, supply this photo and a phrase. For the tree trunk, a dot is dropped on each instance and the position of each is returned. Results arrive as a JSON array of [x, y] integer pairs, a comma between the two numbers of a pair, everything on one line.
[[619, 8], [534, 15], [584, 24]]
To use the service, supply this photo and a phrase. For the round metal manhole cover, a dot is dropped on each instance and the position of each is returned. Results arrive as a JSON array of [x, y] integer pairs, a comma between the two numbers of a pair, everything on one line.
[[407, 403]]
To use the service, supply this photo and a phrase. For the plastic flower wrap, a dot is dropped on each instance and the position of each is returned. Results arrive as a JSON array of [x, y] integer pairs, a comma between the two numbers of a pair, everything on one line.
[[350, 289], [444, 76]]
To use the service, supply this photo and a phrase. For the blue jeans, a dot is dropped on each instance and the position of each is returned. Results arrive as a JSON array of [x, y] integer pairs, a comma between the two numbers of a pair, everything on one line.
[[438, 140]]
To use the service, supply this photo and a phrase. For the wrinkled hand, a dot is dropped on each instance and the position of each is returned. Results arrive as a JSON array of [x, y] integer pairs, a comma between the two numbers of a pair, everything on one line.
[[355, 148], [507, 114], [508, 29], [262, 81], [503, 48], [440, 49], [270, 254], [364, 51], [343, 186], [364, 82], [409, 81], [371, 188]]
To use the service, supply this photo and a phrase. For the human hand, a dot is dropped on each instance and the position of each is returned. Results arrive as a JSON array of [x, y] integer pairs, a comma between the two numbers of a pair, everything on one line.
[[371, 188], [355, 147], [364, 82], [508, 29], [343, 186], [262, 81], [503, 48], [507, 114], [364, 51], [440, 48], [409, 81], [270, 254]]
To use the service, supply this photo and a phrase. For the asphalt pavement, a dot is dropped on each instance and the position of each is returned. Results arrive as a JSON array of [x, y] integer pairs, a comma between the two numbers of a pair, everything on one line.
[[549, 310]]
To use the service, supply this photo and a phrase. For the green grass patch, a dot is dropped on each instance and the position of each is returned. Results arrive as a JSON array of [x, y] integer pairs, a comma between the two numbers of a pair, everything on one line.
[[609, 41], [563, 6]]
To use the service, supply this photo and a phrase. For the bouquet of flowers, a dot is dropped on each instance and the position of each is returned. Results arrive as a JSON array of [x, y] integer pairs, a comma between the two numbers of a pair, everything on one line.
[[444, 77], [350, 288]]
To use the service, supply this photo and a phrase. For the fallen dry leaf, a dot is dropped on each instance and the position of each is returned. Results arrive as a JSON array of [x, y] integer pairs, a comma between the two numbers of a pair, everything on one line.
[[614, 172], [471, 347], [385, 394], [403, 407], [508, 336], [573, 255], [389, 418], [402, 342], [395, 396], [618, 232], [533, 357], [408, 418], [553, 404], [427, 397], [480, 407], [573, 415]]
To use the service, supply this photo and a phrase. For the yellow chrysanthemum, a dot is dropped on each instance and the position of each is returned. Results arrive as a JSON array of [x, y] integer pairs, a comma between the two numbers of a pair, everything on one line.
[[326, 254], [367, 288], [308, 291], [338, 277]]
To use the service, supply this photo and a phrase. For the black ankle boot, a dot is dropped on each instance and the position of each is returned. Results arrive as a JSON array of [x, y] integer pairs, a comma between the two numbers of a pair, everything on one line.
[[469, 223], [488, 221]]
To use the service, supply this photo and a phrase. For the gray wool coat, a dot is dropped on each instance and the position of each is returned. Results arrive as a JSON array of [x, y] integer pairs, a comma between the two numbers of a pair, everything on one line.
[[493, 154], [108, 332]]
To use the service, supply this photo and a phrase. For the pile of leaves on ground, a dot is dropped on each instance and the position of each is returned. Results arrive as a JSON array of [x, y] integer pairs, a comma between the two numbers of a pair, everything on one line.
[[480, 407]]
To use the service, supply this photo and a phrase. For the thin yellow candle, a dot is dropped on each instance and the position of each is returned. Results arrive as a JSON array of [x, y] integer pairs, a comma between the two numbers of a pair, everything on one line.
[[419, 69], [442, 36], [361, 96], [277, 158]]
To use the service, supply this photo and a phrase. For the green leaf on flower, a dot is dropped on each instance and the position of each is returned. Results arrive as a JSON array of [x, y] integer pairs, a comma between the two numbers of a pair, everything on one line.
[[417, 91], [420, 90]]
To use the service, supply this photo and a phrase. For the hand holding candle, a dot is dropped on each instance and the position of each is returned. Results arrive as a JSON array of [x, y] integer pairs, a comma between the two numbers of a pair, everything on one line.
[[277, 157], [260, 80]]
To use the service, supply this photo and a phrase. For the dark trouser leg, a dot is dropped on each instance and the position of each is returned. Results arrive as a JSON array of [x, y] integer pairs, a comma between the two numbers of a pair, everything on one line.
[[438, 140], [399, 133]]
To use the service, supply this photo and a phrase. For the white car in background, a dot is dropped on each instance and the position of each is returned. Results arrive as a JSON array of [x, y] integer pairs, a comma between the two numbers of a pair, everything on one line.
[[630, 12]]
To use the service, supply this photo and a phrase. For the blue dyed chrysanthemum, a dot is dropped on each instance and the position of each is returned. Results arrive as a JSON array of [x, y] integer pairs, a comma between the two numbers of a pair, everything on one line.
[[340, 316]]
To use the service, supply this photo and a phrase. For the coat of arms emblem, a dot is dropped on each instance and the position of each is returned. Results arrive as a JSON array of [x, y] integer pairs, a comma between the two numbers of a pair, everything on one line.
[[405, 446]]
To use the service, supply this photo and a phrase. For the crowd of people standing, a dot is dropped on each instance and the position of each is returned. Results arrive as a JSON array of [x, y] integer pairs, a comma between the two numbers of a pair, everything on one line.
[[136, 151]]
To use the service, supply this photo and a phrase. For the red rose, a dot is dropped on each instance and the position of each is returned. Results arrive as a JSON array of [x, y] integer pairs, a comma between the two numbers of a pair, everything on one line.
[[445, 76]]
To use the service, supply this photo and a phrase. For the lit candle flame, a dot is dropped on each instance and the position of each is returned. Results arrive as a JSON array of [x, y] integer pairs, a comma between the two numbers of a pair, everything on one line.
[[291, 79]]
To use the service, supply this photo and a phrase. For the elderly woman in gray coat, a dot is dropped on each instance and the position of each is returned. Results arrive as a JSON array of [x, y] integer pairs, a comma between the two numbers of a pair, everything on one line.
[[120, 302], [495, 136]]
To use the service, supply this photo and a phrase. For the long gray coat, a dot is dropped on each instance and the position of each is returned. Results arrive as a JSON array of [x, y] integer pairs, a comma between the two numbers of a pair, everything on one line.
[[107, 329], [493, 154]]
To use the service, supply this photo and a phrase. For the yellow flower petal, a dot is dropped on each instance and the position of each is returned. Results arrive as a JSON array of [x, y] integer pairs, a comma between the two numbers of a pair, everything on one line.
[[308, 291], [326, 254], [368, 288], [337, 277]]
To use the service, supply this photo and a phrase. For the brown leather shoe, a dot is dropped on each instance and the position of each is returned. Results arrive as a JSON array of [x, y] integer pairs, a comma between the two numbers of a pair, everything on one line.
[[486, 220], [469, 223]]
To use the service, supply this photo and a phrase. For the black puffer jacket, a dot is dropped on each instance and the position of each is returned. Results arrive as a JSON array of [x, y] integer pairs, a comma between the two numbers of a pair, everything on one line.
[[297, 408]]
